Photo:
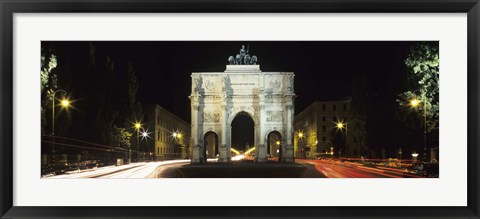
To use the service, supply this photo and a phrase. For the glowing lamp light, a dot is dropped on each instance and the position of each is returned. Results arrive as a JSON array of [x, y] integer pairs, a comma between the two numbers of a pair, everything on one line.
[[278, 142], [415, 155], [300, 135], [138, 125], [414, 103], [145, 134], [65, 103], [340, 125], [179, 135]]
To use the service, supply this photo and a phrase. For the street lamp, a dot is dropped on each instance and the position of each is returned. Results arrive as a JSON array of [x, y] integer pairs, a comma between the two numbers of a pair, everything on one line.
[[414, 155], [341, 125], [299, 137], [278, 148], [416, 103], [300, 134], [145, 136], [177, 135], [180, 136], [64, 103], [137, 126]]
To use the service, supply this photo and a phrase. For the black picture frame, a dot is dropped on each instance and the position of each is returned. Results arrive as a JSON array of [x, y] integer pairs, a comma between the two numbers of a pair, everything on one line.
[[9, 7]]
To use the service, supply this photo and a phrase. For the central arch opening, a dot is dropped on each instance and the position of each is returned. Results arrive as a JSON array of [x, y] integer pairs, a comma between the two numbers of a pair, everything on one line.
[[243, 132]]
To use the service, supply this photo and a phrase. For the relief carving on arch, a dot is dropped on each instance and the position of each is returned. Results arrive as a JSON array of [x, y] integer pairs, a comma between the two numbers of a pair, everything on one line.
[[274, 116], [211, 117], [290, 83], [210, 85], [197, 84], [275, 84]]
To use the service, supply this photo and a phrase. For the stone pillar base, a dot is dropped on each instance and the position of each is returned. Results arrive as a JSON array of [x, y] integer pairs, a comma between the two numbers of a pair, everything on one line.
[[223, 154], [261, 160], [224, 160], [260, 154], [287, 160], [196, 154], [288, 155]]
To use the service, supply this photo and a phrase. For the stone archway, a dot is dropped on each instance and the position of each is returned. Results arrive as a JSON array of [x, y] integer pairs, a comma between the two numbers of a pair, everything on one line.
[[217, 97], [242, 129], [210, 140], [275, 144]]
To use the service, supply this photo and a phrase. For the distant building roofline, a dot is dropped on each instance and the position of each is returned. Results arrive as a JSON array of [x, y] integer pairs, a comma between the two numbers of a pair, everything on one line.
[[162, 108], [321, 101], [333, 99]]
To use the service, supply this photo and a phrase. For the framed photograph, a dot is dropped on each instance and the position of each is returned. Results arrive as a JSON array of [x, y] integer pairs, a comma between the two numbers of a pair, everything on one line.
[[201, 109]]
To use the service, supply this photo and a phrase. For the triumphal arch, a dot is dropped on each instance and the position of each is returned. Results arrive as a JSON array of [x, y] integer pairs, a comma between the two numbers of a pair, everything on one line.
[[218, 97]]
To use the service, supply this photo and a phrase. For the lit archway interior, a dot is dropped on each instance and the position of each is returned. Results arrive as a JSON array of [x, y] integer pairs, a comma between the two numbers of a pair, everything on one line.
[[242, 132], [274, 145], [211, 145]]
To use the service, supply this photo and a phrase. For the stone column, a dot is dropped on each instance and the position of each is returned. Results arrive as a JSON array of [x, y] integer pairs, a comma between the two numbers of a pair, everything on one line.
[[196, 148], [224, 148], [288, 150], [261, 133]]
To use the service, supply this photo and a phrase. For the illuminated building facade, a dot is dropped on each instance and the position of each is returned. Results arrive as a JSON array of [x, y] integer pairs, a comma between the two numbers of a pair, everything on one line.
[[322, 128], [169, 135]]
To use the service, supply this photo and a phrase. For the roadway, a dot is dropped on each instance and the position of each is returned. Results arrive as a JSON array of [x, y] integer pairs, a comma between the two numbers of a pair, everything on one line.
[[158, 169], [345, 169], [179, 168]]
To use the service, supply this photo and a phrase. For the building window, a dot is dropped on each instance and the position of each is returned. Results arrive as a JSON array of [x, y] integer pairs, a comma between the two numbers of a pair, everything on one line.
[[323, 107], [323, 118], [335, 119], [345, 107], [324, 128], [146, 117], [324, 138], [334, 107], [354, 140]]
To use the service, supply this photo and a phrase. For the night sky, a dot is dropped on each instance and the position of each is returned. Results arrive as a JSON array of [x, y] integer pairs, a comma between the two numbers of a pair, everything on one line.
[[323, 70]]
